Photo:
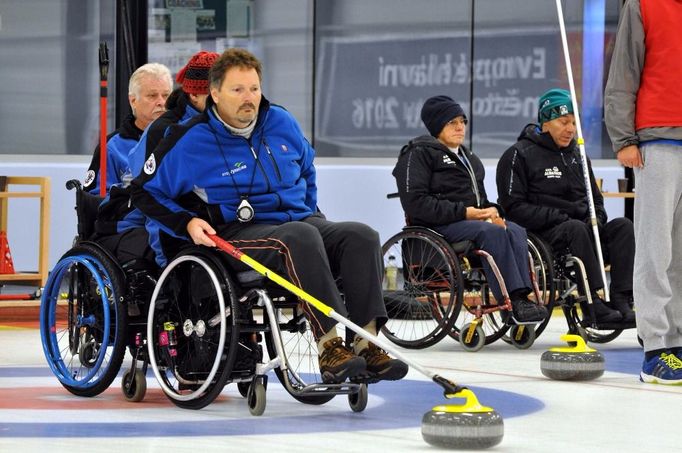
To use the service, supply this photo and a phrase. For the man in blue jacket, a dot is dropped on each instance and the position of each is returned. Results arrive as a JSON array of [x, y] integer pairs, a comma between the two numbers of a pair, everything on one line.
[[119, 225], [148, 88], [244, 169]]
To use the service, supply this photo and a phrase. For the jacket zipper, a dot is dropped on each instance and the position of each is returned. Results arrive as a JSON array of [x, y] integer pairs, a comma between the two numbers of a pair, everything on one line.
[[272, 159]]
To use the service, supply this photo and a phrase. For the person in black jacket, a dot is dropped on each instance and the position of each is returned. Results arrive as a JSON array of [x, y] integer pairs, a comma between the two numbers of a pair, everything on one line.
[[440, 183], [541, 186]]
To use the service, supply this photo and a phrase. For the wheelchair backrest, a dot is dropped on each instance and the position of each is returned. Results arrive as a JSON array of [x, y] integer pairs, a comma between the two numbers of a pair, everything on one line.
[[86, 209]]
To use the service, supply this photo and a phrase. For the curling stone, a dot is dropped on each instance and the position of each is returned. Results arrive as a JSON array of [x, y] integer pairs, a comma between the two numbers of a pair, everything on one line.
[[578, 362], [467, 426]]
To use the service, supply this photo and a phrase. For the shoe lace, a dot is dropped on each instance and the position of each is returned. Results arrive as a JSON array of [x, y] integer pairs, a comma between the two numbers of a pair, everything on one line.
[[672, 361], [336, 353], [375, 355]]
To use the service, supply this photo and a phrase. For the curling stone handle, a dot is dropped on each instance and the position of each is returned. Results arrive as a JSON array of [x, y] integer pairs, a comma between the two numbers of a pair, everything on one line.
[[471, 404], [450, 387]]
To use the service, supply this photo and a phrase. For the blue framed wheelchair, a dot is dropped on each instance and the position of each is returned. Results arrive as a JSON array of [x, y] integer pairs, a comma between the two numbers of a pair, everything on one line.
[[82, 315], [200, 325]]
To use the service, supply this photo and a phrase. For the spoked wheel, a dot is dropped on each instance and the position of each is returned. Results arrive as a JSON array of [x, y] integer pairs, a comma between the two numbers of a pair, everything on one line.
[[300, 348], [590, 334], [425, 298], [192, 330], [543, 273], [82, 320], [543, 269]]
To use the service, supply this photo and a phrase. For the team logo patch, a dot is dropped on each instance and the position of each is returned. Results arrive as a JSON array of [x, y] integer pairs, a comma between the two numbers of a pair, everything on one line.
[[563, 110], [150, 165], [552, 173], [89, 177]]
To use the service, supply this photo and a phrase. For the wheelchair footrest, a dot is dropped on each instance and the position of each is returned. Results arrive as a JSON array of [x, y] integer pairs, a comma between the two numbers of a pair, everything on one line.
[[610, 325]]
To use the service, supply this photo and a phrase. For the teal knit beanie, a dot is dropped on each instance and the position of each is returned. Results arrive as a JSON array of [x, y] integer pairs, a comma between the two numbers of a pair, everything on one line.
[[553, 104]]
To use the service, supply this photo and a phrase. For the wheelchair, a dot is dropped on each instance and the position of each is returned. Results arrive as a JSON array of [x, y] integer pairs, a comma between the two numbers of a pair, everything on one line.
[[198, 323], [205, 327], [439, 289], [570, 290], [91, 312]]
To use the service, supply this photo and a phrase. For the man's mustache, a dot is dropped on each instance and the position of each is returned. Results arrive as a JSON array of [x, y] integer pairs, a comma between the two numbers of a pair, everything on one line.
[[247, 105]]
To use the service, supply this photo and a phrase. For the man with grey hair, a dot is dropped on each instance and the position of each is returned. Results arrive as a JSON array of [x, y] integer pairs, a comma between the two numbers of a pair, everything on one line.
[[148, 88]]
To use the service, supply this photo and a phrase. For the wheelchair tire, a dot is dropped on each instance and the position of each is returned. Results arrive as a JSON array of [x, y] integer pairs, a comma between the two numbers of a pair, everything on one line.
[[192, 328], [589, 334], [83, 320], [543, 268], [300, 348], [425, 298]]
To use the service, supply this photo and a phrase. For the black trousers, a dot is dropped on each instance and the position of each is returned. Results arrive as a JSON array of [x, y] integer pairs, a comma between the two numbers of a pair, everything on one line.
[[618, 247], [316, 253], [129, 245]]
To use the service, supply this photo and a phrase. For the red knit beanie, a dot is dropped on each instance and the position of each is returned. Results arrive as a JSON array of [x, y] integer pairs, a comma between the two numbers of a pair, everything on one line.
[[194, 75]]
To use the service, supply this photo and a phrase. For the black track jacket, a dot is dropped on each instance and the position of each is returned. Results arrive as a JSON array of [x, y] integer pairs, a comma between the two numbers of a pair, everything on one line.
[[434, 185], [540, 185]]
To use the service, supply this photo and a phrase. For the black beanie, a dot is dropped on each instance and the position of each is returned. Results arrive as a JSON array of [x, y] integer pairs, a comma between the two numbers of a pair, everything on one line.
[[438, 111]]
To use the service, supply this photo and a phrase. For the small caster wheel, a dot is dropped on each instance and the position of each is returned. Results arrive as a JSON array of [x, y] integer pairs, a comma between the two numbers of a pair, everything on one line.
[[243, 388], [477, 340], [134, 385], [256, 398], [87, 353], [522, 337], [358, 400]]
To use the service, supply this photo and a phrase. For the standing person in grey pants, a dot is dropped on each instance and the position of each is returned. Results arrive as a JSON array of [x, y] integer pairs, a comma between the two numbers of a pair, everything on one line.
[[644, 121]]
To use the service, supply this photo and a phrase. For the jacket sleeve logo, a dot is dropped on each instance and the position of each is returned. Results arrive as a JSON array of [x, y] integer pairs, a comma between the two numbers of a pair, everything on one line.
[[150, 165], [89, 177]]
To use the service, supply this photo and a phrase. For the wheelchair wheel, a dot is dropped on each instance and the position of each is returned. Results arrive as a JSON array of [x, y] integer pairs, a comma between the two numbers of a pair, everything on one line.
[[589, 333], [544, 274], [300, 348], [491, 328], [522, 337], [473, 342], [425, 297], [83, 319], [192, 329]]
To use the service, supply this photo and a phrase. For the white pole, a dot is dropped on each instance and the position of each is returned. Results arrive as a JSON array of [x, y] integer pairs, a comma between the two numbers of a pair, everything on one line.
[[581, 146]]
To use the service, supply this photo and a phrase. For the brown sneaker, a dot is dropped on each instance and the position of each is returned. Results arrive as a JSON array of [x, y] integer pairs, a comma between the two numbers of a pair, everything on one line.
[[338, 363], [381, 367]]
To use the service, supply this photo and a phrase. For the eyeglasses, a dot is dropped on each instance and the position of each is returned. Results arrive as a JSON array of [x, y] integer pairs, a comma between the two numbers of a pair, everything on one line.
[[459, 121]]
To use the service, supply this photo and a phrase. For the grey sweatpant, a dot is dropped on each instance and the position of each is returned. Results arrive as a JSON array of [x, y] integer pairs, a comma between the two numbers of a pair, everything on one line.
[[658, 255]]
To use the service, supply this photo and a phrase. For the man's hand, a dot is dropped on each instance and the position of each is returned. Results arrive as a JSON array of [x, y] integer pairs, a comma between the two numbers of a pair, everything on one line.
[[488, 214], [198, 230], [630, 156]]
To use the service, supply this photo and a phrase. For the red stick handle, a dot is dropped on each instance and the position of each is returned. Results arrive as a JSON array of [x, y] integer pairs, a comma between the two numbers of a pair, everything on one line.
[[226, 246], [103, 139]]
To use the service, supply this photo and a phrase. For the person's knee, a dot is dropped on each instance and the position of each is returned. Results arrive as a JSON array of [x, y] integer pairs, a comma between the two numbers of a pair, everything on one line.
[[621, 225], [575, 226], [299, 235], [361, 236]]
